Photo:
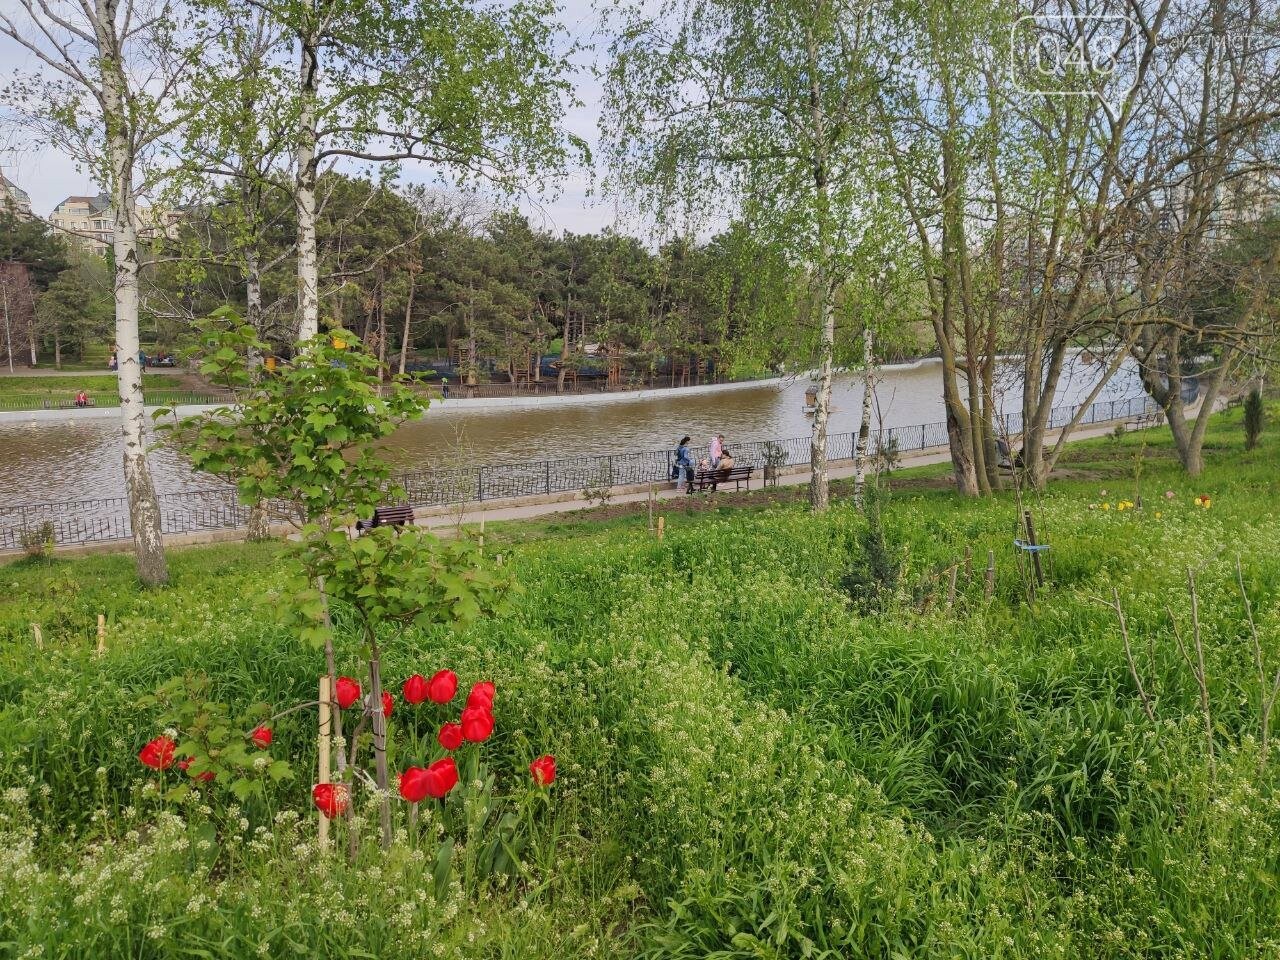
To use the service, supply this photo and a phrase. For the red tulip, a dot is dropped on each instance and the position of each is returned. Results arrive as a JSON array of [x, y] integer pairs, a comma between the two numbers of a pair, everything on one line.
[[450, 736], [348, 692], [388, 704], [477, 724], [415, 689], [261, 737], [442, 686], [202, 777], [414, 784], [442, 776], [482, 695], [158, 753], [544, 770], [331, 799]]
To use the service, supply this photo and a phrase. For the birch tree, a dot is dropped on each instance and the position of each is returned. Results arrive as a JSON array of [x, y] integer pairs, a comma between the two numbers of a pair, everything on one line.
[[474, 90], [721, 103], [108, 73]]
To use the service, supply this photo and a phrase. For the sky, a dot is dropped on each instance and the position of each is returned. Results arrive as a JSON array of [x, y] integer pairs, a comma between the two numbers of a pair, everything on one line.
[[579, 206]]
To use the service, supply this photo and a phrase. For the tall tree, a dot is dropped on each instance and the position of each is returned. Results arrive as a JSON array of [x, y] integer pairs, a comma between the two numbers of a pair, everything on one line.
[[714, 102], [105, 91], [475, 90]]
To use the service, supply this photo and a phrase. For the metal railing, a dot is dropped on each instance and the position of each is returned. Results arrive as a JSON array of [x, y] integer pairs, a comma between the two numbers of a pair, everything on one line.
[[89, 521], [154, 398]]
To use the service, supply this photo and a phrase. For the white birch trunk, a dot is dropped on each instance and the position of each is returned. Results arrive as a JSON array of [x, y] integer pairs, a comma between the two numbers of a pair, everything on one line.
[[144, 508], [308, 256]]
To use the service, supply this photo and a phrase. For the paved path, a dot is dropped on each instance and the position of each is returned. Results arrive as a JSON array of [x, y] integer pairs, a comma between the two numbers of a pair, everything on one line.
[[795, 476]]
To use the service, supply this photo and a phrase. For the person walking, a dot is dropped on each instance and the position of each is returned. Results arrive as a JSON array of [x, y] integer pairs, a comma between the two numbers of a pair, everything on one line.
[[684, 466]]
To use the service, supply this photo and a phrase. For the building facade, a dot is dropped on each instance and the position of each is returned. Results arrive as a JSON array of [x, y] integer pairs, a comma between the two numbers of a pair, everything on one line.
[[13, 198]]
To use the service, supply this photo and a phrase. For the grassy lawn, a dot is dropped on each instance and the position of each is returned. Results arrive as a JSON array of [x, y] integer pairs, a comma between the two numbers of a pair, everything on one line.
[[751, 765], [94, 383]]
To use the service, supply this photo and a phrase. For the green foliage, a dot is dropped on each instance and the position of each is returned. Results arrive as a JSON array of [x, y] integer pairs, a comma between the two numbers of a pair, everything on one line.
[[748, 766], [392, 576], [1253, 418], [306, 435], [876, 561], [215, 741], [37, 541]]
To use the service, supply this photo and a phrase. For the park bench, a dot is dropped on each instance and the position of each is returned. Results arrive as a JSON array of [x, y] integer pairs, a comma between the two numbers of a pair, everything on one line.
[[711, 479], [1143, 421], [387, 517]]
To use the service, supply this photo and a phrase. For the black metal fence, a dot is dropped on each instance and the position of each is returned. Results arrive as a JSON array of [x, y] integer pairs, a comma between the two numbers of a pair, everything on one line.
[[88, 521], [154, 398]]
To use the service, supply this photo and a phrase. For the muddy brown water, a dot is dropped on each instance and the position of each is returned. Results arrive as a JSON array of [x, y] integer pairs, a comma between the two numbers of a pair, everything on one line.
[[56, 461]]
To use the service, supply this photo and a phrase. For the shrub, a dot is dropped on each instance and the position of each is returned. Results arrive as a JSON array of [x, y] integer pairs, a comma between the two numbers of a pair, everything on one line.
[[37, 541], [1252, 418], [875, 568]]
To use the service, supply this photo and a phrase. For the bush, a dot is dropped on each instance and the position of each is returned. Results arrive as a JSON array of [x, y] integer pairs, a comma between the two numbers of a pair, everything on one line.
[[1253, 418], [37, 541]]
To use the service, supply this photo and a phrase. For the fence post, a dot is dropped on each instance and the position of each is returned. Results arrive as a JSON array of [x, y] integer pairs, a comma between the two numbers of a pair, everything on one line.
[[547, 464], [922, 428], [480, 483]]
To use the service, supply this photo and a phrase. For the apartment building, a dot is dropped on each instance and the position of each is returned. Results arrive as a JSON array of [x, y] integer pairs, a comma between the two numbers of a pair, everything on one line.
[[90, 222], [13, 197]]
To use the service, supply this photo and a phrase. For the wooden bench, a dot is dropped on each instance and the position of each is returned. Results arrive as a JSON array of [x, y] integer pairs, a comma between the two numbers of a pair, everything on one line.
[[387, 517], [1143, 421], [711, 479]]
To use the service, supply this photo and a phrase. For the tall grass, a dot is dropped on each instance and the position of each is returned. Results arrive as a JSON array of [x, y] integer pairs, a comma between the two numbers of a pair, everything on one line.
[[749, 767]]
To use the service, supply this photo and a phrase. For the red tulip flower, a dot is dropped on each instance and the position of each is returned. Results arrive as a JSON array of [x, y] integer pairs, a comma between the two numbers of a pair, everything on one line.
[[388, 704], [544, 770], [261, 737], [450, 736], [348, 692], [415, 689], [413, 784], [477, 724], [482, 695], [331, 799], [442, 776], [202, 777], [158, 753], [443, 686]]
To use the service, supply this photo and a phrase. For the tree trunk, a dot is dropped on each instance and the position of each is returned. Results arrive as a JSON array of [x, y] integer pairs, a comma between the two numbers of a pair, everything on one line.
[[379, 740], [305, 199], [144, 508], [564, 351], [31, 338], [8, 324], [819, 487], [57, 347], [408, 320], [864, 424]]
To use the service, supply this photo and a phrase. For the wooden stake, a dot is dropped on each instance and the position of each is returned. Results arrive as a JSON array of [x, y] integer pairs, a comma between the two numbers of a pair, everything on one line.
[[662, 526], [102, 633], [326, 723], [35, 631], [991, 573]]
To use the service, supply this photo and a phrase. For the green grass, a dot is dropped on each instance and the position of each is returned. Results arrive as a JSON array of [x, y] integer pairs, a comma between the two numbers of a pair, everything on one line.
[[749, 769], [94, 383]]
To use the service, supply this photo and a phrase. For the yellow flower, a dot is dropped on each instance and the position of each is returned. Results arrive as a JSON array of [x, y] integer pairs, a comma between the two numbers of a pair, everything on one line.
[[1106, 506], [339, 344], [1158, 514]]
